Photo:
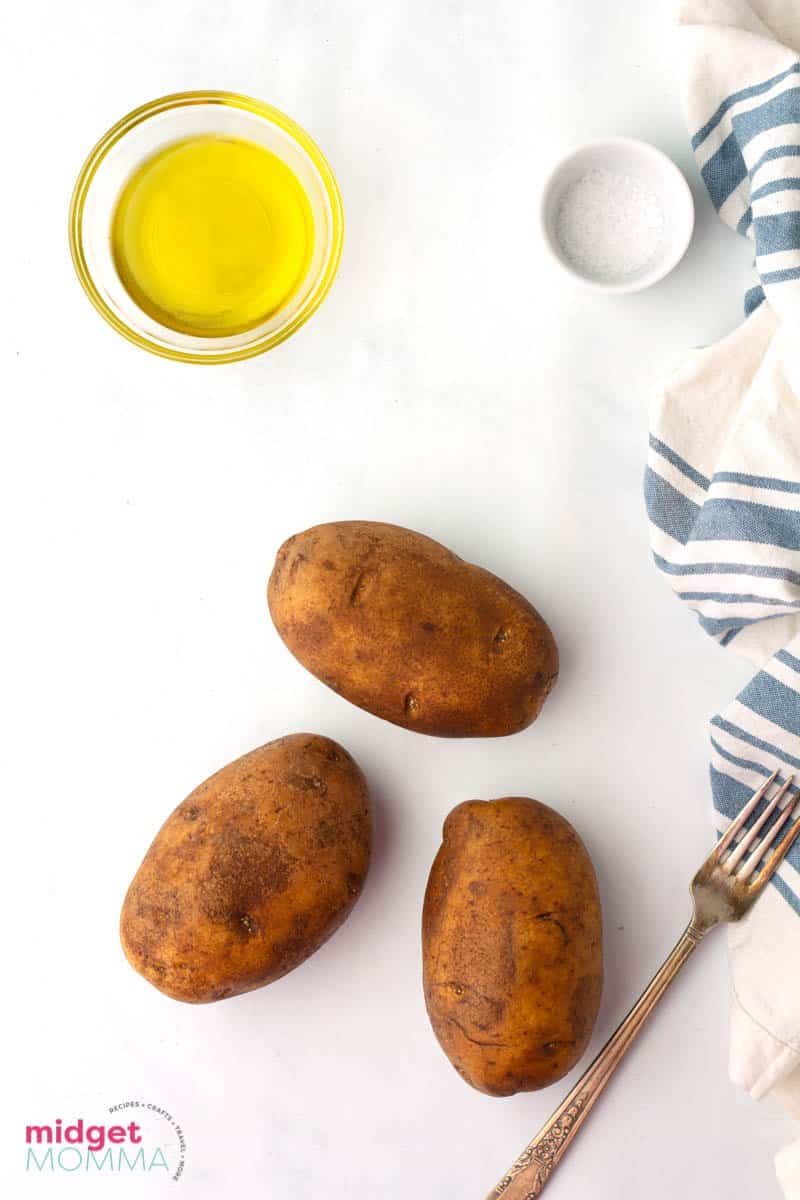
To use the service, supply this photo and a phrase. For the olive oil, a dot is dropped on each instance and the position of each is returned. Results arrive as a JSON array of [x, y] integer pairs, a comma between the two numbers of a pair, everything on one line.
[[212, 235]]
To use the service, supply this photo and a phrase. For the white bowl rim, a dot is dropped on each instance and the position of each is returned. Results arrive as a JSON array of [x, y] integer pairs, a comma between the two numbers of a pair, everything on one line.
[[663, 266]]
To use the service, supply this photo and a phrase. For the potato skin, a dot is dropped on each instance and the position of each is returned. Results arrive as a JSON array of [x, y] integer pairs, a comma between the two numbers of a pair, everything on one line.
[[512, 945], [401, 627], [252, 872]]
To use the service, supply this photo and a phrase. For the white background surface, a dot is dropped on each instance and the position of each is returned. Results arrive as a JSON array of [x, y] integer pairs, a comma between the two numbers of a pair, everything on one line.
[[452, 382]]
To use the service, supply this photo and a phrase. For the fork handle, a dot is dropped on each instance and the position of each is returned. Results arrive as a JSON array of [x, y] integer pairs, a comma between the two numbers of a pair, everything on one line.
[[526, 1179]]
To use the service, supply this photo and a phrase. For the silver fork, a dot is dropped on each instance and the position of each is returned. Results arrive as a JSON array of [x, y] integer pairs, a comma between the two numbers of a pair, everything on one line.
[[722, 890]]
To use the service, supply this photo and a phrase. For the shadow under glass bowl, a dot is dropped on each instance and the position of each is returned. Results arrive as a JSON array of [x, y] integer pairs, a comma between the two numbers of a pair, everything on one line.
[[141, 134]]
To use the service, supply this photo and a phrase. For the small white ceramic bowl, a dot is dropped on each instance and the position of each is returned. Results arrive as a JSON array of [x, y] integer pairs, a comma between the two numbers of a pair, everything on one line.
[[624, 156]]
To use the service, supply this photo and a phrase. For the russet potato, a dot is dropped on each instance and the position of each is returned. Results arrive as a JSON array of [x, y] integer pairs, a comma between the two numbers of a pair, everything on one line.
[[252, 872], [400, 626], [512, 945]]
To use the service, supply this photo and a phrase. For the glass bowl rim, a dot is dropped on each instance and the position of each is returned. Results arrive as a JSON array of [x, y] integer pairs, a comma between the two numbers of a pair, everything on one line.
[[180, 100]]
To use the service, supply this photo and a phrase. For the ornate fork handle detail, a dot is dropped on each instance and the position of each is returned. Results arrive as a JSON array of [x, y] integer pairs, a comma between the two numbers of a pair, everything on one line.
[[541, 1156], [529, 1174]]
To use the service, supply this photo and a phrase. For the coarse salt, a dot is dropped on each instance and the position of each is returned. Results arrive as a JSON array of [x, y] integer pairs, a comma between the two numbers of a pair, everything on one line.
[[609, 225]]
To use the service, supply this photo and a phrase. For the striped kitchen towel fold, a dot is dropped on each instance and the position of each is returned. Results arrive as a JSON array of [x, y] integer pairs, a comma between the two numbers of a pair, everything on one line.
[[723, 488]]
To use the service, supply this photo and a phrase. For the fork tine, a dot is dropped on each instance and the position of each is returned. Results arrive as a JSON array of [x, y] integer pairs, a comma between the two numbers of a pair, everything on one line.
[[776, 858], [752, 861], [734, 827], [738, 852]]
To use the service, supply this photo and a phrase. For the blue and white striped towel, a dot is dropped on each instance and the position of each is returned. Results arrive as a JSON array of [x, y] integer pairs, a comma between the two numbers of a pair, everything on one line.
[[723, 488]]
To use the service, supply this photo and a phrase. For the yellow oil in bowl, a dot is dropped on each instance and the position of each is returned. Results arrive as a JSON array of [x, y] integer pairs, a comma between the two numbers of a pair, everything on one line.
[[212, 235]]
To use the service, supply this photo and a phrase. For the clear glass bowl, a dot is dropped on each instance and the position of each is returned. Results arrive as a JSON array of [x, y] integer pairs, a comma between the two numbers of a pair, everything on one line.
[[144, 132]]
